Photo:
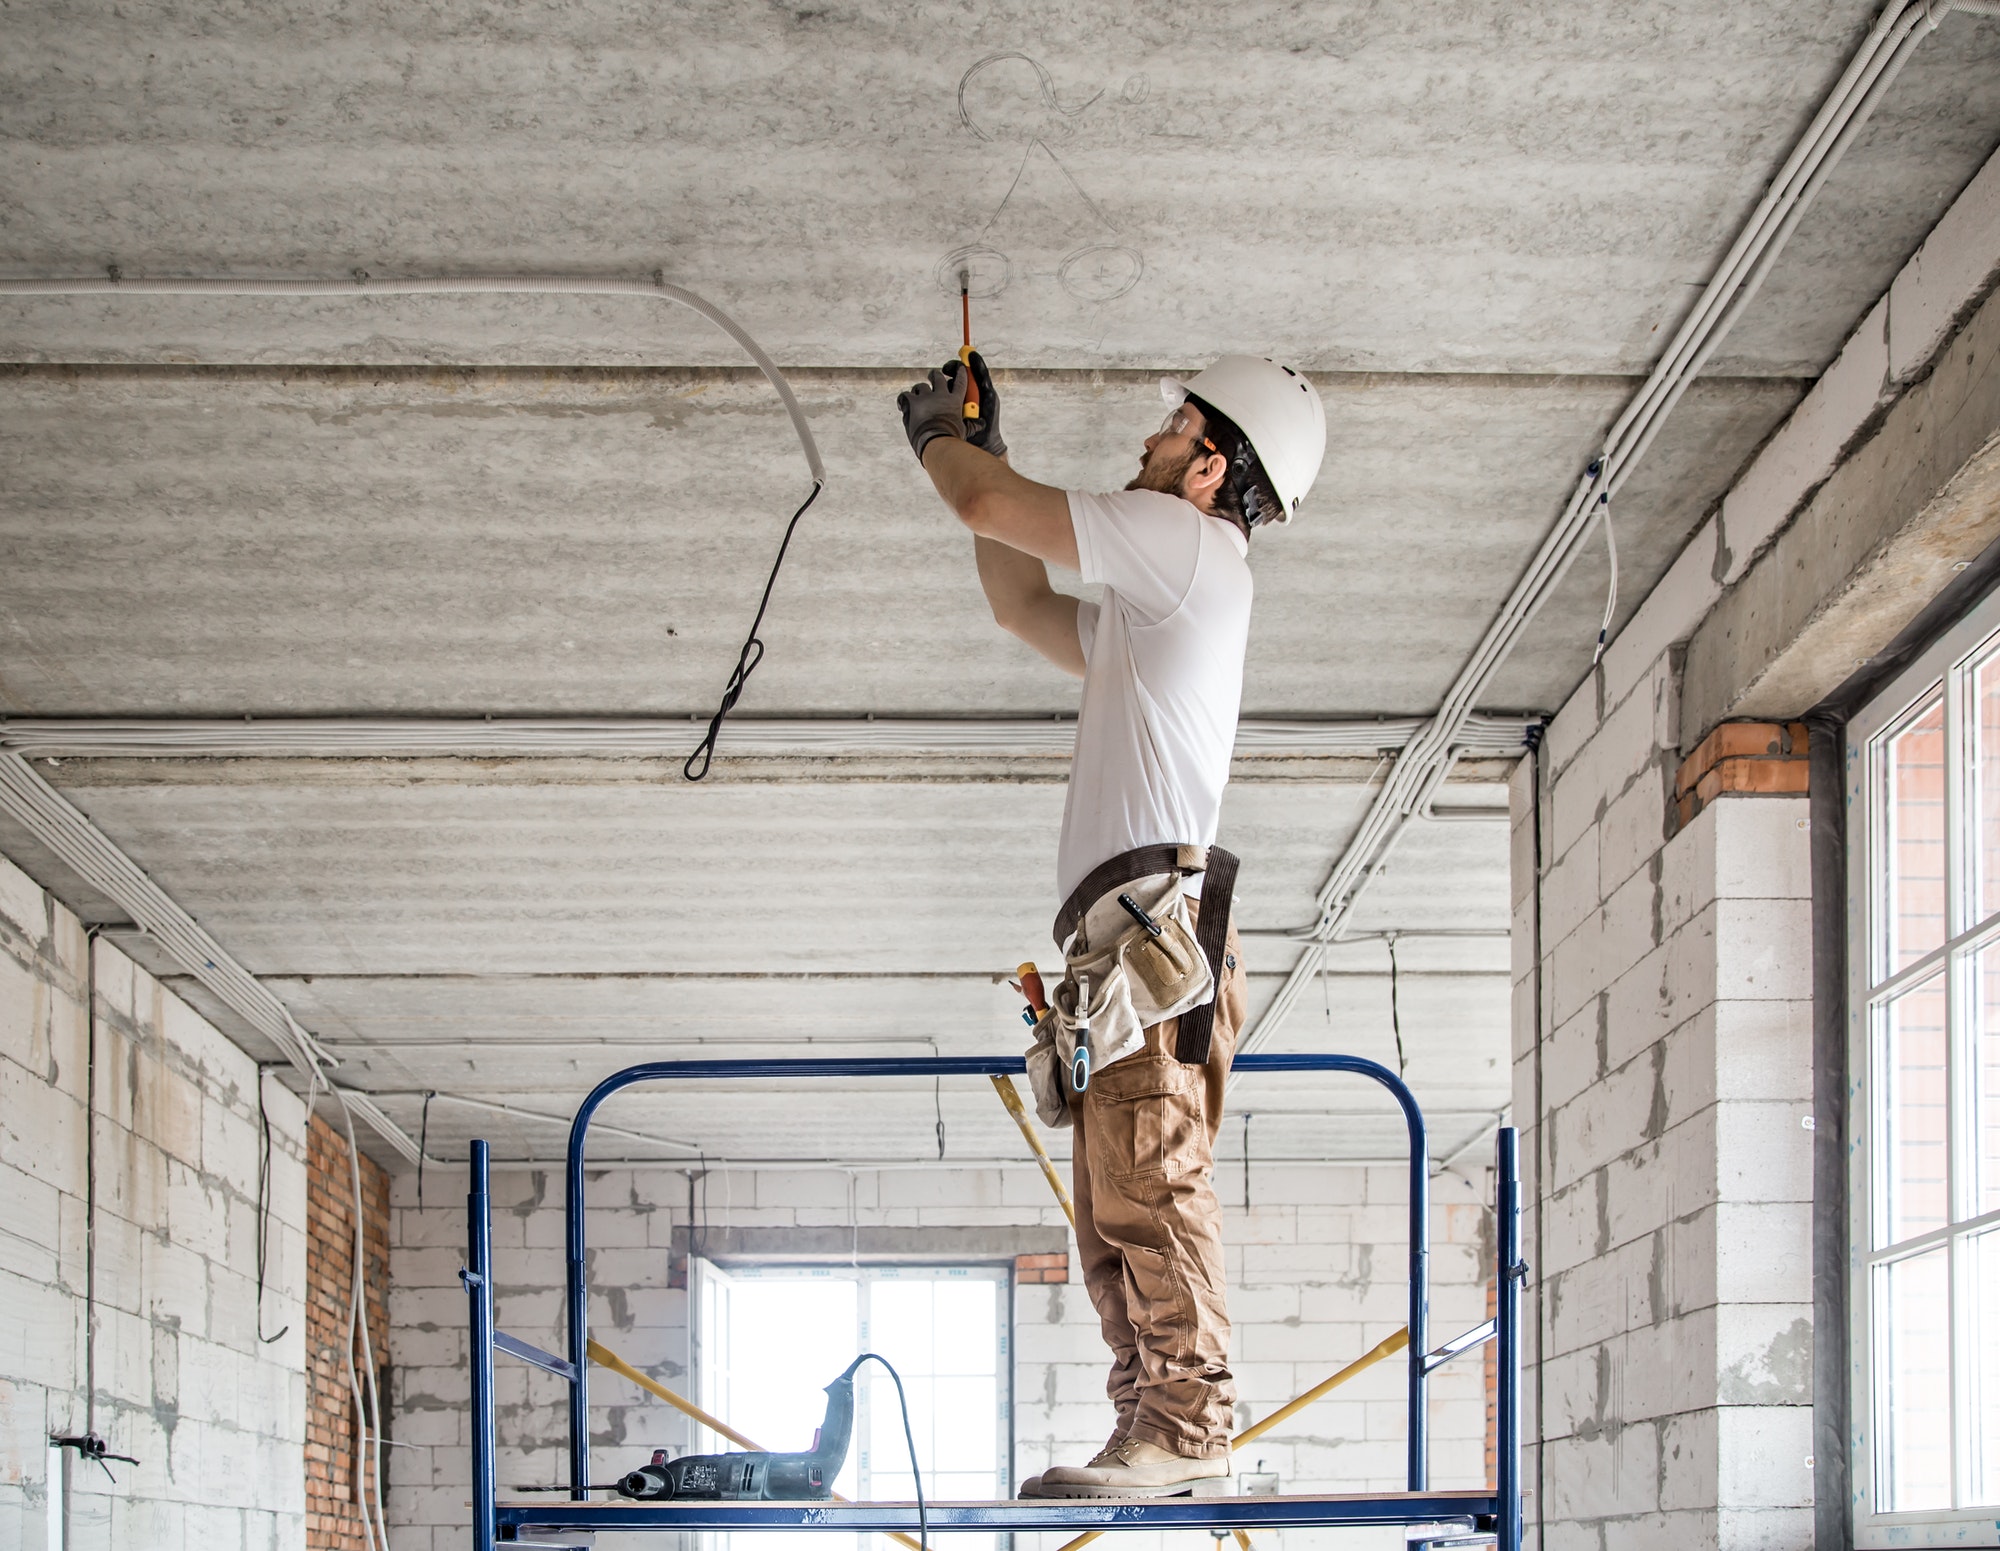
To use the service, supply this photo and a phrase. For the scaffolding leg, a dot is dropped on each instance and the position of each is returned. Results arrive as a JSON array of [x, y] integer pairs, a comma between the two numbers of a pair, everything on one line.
[[478, 1278]]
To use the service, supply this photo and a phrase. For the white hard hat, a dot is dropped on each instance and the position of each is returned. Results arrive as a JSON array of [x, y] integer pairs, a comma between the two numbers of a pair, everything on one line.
[[1276, 408]]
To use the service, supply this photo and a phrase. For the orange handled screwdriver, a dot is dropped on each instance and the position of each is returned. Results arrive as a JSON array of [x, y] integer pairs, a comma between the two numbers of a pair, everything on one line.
[[965, 350]]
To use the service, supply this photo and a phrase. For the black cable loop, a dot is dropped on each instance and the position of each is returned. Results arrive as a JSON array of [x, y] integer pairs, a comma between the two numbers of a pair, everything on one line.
[[910, 1439], [749, 657]]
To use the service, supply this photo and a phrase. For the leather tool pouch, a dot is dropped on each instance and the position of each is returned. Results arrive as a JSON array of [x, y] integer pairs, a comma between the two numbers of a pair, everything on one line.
[[1168, 967], [1048, 1074], [1137, 979]]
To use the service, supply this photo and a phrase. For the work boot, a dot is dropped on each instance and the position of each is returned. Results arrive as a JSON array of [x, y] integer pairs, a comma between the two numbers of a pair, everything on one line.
[[1134, 1468], [1032, 1487]]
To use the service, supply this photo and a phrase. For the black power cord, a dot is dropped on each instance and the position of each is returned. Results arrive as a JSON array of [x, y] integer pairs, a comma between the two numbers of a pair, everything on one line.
[[264, 1210], [749, 657], [910, 1439], [1396, 1011]]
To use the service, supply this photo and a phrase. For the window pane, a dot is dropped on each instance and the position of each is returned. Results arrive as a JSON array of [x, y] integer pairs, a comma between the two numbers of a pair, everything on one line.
[[1914, 827], [1913, 1110], [1985, 1375], [1984, 789], [1986, 1083], [1912, 1384]]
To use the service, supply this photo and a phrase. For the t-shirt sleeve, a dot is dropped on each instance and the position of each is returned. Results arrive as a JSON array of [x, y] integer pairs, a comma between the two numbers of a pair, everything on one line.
[[1141, 544]]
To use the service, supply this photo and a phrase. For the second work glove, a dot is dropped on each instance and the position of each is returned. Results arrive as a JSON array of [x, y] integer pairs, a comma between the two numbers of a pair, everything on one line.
[[984, 432], [934, 407]]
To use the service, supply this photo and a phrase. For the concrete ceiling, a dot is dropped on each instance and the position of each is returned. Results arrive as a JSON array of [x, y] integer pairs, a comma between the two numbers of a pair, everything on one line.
[[1474, 224]]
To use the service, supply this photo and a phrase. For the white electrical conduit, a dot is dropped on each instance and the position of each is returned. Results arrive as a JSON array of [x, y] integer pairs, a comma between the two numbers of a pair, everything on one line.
[[1901, 26], [85, 850], [640, 737], [364, 284], [368, 1417]]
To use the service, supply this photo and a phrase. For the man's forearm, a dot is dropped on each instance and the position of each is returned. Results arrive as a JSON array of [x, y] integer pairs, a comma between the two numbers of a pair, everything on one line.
[[1011, 580], [997, 503], [1026, 606]]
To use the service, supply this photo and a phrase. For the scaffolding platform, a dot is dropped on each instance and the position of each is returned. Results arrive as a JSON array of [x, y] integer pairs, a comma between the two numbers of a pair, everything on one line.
[[1428, 1516]]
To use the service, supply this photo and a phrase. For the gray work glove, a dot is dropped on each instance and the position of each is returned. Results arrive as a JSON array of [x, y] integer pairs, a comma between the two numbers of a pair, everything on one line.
[[934, 407], [984, 432]]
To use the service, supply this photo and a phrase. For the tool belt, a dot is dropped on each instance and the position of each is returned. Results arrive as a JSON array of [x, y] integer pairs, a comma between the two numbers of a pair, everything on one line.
[[1123, 975]]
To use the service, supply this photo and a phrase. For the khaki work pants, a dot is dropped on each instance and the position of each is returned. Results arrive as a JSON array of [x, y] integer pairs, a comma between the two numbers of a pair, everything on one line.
[[1149, 1231]]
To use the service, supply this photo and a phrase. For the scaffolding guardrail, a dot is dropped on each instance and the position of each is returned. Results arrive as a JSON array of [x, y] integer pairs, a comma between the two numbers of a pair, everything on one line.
[[1496, 1513]]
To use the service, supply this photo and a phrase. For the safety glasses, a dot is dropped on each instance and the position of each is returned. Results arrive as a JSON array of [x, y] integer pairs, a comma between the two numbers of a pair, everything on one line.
[[1181, 422]]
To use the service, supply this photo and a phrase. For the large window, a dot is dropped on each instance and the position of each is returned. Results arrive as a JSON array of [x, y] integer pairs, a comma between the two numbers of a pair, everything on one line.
[[1924, 918], [769, 1338]]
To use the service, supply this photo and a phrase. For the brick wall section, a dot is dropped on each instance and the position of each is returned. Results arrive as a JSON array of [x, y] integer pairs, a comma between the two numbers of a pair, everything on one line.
[[334, 1521], [1750, 759], [214, 1414], [1315, 1275], [1040, 1270]]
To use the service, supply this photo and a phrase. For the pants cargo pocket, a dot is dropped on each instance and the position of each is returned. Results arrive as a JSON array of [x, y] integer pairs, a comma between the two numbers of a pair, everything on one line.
[[1145, 1117], [1165, 1313]]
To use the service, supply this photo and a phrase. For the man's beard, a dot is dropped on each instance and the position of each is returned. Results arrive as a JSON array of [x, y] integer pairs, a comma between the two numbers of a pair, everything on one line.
[[1164, 474]]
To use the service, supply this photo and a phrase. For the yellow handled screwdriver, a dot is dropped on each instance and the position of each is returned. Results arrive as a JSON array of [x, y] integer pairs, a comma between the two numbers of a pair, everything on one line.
[[965, 350]]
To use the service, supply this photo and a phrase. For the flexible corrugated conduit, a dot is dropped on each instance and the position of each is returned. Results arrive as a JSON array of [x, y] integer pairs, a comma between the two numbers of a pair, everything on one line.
[[1901, 26]]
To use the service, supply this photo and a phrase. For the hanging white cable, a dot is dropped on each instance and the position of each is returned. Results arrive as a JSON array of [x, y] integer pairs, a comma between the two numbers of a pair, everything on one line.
[[1897, 31], [1611, 591], [367, 1419]]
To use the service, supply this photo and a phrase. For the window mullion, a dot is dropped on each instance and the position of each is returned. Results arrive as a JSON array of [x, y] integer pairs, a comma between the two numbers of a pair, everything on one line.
[[1959, 910]]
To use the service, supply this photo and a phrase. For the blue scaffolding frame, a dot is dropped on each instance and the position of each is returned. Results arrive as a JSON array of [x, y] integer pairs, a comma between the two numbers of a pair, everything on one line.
[[1497, 1512]]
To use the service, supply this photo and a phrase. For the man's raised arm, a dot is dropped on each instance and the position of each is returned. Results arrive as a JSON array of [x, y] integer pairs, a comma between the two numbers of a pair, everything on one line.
[[1017, 524]]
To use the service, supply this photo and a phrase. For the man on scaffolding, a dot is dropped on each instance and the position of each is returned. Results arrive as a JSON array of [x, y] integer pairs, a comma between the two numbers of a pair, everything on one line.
[[1137, 1047]]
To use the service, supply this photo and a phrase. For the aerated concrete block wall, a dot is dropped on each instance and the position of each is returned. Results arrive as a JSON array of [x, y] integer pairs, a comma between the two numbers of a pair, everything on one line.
[[214, 1415], [1670, 1224], [1317, 1276]]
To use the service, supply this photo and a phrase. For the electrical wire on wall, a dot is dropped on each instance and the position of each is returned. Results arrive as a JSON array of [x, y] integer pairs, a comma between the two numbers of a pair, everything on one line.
[[1396, 1010], [264, 1207], [1611, 590], [362, 283], [424, 1144], [368, 1413]]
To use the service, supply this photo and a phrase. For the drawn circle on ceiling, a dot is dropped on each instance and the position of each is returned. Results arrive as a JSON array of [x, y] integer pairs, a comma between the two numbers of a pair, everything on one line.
[[1101, 272], [986, 272]]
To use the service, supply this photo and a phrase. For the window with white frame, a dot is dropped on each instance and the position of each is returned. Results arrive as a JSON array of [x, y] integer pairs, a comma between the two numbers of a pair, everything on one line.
[[768, 1339], [1923, 765]]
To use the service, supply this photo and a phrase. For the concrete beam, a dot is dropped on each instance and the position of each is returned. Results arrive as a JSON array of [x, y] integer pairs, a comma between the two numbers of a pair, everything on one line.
[[1913, 504]]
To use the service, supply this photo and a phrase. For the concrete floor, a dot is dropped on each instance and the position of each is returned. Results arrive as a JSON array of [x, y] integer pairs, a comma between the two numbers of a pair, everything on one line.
[[1475, 224]]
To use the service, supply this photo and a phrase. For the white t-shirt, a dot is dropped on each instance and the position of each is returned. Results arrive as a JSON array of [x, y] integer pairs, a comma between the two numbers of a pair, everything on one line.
[[1163, 676]]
